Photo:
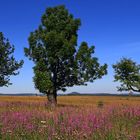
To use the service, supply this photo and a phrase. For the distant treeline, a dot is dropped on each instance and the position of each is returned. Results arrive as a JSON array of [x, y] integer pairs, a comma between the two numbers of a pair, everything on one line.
[[71, 94], [21, 94], [98, 94]]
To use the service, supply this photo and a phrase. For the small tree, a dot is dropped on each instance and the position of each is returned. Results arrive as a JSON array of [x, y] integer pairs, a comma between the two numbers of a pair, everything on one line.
[[8, 64], [58, 63], [127, 72]]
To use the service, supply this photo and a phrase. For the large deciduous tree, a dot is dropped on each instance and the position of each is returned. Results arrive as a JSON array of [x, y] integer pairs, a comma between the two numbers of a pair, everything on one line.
[[8, 64], [59, 63], [127, 72]]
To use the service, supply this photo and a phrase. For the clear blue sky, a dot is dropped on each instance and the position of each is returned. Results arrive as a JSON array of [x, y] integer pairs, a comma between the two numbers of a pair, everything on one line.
[[113, 26]]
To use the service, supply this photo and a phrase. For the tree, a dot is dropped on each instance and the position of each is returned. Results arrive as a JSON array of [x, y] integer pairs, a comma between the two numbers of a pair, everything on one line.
[[58, 62], [8, 64], [127, 72]]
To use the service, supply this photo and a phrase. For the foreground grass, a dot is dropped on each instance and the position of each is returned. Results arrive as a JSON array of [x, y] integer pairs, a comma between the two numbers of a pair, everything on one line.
[[75, 118]]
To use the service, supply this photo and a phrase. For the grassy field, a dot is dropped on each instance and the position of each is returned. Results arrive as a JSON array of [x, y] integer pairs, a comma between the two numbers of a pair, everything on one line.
[[76, 100], [75, 118]]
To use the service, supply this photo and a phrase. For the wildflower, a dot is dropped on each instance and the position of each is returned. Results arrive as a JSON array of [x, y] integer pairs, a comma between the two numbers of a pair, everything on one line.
[[22, 134], [43, 122], [44, 126], [9, 131]]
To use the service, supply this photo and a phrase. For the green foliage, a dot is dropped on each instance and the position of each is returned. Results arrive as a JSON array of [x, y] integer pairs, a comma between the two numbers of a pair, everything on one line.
[[8, 64], [128, 73], [59, 63], [89, 68], [42, 78], [100, 104]]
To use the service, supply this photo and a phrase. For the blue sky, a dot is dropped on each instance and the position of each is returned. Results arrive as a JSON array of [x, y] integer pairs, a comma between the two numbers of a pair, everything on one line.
[[113, 26]]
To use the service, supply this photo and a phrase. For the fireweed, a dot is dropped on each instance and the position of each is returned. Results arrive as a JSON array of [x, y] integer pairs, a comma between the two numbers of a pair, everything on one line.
[[31, 120]]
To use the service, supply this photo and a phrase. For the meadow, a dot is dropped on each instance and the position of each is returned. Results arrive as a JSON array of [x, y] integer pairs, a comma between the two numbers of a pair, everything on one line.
[[75, 118]]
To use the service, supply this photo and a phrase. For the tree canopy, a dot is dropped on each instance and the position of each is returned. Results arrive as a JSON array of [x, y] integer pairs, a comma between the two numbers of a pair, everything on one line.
[[8, 64], [127, 72], [59, 62]]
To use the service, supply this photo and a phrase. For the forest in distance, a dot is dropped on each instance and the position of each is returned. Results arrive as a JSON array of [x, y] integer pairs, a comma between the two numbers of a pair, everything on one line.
[[71, 94]]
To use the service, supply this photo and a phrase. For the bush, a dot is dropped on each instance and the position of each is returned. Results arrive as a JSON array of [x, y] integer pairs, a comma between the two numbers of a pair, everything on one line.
[[100, 104]]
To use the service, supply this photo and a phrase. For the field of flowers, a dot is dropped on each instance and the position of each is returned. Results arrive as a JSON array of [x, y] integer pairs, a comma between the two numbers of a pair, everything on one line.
[[75, 118]]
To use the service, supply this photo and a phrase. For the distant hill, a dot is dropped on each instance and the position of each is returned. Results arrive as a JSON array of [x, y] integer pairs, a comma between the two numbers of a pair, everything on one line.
[[74, 93]]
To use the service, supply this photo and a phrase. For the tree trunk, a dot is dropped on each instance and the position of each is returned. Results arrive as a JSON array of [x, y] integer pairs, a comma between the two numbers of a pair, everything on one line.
[[52, 99]]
